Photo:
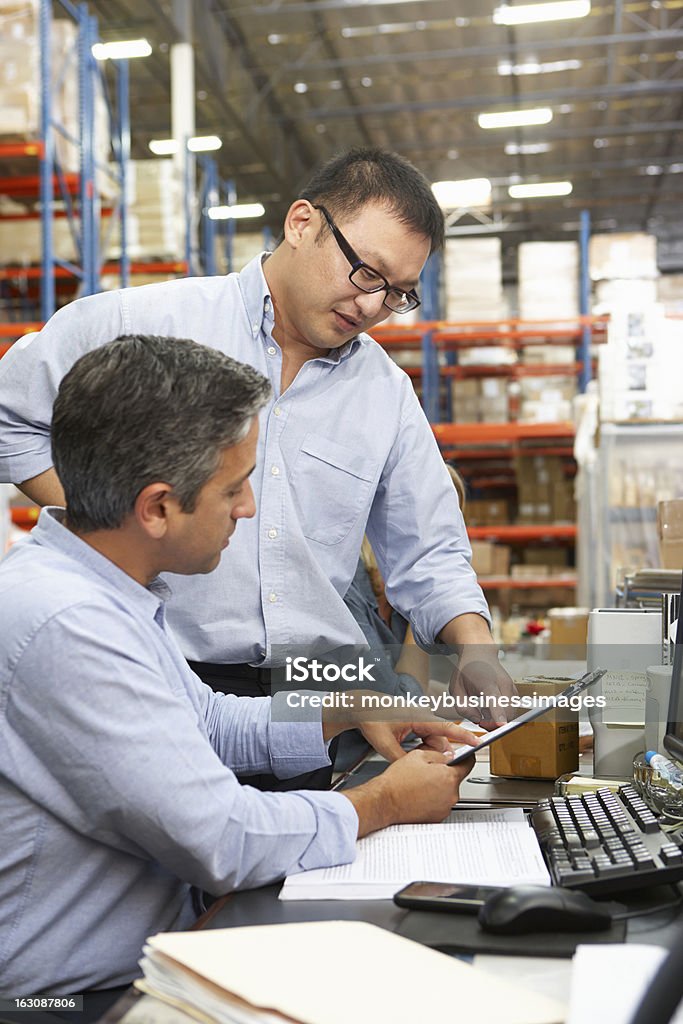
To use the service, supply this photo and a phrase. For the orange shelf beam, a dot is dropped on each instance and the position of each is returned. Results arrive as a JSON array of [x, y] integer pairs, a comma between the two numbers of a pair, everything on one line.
[[482, 433], [513, 370], [25, 516], [518, 534], [158, 267], [507, 583], [14, 149], [17, 330], [26, 186]]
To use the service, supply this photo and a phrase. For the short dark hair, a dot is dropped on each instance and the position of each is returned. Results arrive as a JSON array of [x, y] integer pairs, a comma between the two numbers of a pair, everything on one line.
[[350, 180], [141, 409]]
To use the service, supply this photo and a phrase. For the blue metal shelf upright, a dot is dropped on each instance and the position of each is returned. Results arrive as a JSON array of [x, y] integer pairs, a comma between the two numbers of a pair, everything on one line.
[[83, 218]]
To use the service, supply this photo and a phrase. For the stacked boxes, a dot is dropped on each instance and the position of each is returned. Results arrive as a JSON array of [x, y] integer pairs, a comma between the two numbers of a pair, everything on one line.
[[545, 494], [488, 513], [489, 559], [548, 275], [546, 399], [19, 67], [627, 256], [20, 85], [246, 245], [624, 268], [640, 367], [155, 221], [473, 279], [480, 400]]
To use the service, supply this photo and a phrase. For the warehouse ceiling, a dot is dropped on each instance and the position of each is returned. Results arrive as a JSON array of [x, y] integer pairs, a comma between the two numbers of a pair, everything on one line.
[[288, 83]]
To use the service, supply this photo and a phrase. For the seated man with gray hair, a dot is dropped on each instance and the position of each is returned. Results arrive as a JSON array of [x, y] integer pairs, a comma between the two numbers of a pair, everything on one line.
[[118, 798]]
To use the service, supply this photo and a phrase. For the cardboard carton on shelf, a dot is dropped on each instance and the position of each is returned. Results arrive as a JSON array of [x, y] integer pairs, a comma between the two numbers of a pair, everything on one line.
[[670, 533], [622, 255], [482, 557], [545, 748]]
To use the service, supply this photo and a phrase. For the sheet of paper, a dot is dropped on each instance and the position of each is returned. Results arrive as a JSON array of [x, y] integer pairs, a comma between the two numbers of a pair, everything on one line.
[[608, 982], [304, 979], [490, 852]]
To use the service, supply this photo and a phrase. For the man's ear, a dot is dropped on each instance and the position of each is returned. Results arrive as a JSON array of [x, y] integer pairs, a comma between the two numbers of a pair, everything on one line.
[[300, 217], [154, 507]]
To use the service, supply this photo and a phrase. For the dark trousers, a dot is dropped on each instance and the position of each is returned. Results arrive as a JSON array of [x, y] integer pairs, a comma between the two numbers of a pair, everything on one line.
[[247, 681]]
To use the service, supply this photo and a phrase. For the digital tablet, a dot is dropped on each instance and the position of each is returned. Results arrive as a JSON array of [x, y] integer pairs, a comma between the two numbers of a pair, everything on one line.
[[462, 753]]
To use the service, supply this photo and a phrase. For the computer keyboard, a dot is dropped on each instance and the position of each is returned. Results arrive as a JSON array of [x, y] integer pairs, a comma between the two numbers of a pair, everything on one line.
[[605, 842]]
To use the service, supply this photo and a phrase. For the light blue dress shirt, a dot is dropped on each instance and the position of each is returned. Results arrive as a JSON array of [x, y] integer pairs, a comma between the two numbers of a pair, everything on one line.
[[345, 449], [116, 788]]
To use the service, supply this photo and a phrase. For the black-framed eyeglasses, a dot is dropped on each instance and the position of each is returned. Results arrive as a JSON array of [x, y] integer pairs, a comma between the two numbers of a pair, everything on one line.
[[366, 278]]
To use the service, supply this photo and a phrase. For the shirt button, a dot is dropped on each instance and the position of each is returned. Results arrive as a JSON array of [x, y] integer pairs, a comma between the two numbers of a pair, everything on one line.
[[272, 597], [274, 470], [272, 534], [277, 411], [271, 350]]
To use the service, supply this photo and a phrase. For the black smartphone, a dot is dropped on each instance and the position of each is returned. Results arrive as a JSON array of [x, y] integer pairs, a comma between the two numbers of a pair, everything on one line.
[[451, 897]]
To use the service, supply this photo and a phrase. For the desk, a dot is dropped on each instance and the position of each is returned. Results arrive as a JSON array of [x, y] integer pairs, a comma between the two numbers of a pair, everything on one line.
[[262, 907]]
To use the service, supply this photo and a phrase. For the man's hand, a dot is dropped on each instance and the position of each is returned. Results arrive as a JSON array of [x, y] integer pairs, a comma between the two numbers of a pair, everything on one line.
[[436, 734], [419, 787], [386, 729], [479, 673]]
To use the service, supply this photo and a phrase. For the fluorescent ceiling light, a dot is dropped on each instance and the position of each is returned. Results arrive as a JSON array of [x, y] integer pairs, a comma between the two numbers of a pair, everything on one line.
[[533, 67], [123, 49], [197, 144], [540, 189], [163, 147], [516, 118], [236, 212], [524, 14], [526, 148], [204, 143], [454, 195]]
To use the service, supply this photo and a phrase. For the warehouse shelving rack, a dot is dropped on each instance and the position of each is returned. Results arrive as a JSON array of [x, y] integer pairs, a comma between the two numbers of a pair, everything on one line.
[[76, 191], [473, 443]]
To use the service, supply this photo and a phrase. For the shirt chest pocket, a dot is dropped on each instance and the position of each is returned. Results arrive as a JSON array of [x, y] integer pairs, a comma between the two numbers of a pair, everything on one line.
[[332, 486]]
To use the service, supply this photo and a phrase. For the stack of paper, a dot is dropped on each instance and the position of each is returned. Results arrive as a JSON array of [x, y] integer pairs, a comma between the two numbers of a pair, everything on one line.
[[472, 848], [609, 981], [326, 972]]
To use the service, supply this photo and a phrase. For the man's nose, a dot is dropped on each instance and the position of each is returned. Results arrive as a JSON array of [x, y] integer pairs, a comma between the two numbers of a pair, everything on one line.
[[372, 305]]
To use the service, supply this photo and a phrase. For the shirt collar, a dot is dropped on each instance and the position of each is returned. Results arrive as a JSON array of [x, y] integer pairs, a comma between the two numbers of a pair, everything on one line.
[[50, 532], [259, 305]]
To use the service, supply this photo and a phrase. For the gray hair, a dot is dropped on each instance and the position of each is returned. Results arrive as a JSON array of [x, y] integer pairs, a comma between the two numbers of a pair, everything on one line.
[[143, 409]]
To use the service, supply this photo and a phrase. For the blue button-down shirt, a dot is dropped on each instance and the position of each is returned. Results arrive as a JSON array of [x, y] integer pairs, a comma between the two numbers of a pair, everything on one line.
[[115, 790], [345, 445]]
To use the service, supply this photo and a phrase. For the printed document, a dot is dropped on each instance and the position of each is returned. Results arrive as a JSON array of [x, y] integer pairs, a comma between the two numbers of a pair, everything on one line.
[[472, 848]]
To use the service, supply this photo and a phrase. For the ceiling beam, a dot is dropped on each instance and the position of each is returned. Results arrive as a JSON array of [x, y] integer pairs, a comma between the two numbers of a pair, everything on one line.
[[546, 97], [463, 53]]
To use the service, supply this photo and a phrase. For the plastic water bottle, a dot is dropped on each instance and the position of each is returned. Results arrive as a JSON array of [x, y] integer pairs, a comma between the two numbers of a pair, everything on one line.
[[666, 768]]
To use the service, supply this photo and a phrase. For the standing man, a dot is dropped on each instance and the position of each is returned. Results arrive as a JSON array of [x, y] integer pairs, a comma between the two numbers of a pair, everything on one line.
[[118, 800], [344, 446]]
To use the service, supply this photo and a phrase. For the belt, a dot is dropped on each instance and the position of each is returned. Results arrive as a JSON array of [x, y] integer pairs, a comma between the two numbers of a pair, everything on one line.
[[260, 675]]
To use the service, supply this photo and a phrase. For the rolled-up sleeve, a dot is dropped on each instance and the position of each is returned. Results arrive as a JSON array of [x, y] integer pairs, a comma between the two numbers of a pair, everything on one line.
[[261, 734], [118, 753], [418, 533]]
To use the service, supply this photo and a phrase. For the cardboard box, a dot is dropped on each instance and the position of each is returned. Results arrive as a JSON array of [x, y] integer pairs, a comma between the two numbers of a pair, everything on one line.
[[568, 626], [670, 533], [544, 749], [482, 557]]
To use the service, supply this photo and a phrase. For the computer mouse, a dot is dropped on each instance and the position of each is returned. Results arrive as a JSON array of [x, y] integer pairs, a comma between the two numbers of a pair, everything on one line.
[[539, 908]]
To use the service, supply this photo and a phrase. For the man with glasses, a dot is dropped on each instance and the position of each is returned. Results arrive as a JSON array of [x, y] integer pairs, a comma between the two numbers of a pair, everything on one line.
[[344, 447]]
